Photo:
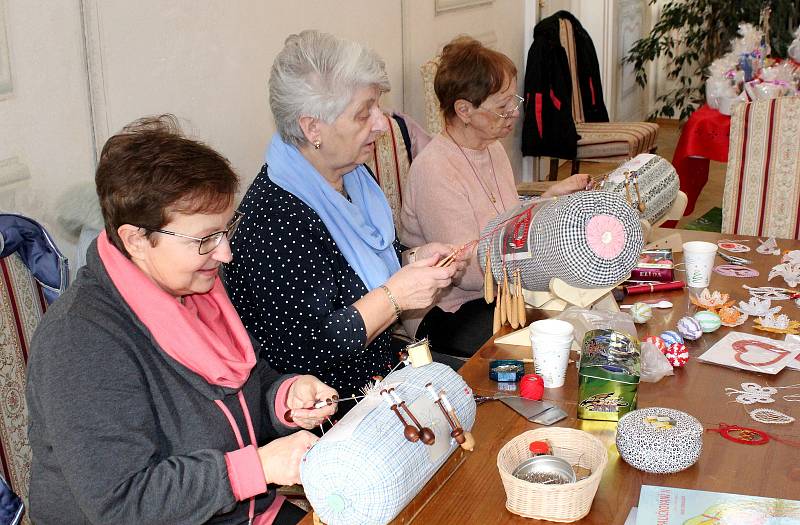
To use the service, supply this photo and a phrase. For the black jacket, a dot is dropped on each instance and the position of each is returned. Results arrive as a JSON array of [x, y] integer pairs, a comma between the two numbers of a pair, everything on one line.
[[548, 128]]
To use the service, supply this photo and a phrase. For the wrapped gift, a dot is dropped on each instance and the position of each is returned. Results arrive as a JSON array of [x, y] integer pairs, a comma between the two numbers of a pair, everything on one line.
[[608, 375]]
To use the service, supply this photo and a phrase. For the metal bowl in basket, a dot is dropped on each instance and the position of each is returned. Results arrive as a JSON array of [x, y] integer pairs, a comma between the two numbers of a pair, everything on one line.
[[562, 503], [545, 469]]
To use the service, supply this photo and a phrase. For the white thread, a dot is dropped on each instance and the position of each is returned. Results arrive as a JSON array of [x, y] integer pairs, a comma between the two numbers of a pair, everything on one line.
[[770, 416], [431, 392]]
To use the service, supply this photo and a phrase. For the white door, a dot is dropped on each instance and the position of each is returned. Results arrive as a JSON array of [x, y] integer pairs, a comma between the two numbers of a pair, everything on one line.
[[429, 25]]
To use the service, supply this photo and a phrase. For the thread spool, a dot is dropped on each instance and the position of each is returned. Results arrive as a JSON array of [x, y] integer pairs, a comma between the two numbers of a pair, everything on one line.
[[419, 353], [531, 386]]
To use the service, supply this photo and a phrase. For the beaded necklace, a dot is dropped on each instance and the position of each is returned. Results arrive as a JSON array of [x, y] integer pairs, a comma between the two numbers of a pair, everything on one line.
[[485, 187]]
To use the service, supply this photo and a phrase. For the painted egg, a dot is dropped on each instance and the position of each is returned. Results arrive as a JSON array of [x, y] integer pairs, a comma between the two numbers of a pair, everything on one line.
[[689, 328], [660, 344], [676, 354], [671, 337], [709, 321], [641, 312]]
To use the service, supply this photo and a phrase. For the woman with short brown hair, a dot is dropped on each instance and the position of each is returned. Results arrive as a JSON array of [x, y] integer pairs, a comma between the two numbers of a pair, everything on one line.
[[147, 401], [463, 179]]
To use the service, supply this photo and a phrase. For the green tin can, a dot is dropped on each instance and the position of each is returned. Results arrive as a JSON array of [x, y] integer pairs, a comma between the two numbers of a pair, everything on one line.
[[608, 375]]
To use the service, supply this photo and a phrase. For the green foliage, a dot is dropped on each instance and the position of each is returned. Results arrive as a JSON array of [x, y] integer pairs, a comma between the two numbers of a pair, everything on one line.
[[693, 33]]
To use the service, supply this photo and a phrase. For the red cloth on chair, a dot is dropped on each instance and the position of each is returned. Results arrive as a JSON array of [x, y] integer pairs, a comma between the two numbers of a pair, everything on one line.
[[705, 135]]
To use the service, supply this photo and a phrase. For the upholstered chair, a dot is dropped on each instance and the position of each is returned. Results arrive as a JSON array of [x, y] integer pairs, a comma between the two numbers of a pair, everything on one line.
[[762, 181], [390, 163], [22, 306], [601, 141]]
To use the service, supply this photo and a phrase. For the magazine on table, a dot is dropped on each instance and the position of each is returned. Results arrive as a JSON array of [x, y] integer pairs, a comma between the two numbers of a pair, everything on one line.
[[674, 506]]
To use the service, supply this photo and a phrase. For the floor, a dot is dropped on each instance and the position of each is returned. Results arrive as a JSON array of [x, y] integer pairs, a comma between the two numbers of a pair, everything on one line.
[[668, 134]]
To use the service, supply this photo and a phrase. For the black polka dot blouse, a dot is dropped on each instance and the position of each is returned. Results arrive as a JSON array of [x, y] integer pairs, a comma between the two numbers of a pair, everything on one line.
[[295, 291]]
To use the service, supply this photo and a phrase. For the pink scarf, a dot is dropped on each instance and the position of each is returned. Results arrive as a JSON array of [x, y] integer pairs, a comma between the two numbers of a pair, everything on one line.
[[204, 334]]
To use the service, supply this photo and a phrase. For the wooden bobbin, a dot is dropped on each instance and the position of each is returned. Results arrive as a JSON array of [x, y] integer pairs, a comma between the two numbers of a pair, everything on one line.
[[512, 300], [521, 315], [506, 296], [488, 280]]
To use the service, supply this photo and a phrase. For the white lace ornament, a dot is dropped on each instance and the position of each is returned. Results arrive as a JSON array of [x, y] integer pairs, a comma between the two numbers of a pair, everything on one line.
[[789, 271], [758, 308], [753, 393], [770, 416], [791, 257], [769, 292], [768, 247]]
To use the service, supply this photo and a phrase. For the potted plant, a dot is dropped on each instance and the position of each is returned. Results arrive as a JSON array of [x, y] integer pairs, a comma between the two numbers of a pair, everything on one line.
[[692, 33]]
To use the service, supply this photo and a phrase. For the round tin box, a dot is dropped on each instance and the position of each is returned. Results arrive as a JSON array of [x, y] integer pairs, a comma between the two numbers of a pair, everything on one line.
[[659, 440]]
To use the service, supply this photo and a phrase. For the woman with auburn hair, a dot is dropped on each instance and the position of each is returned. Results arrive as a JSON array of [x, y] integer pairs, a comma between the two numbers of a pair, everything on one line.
[[462, 180], [147, 401]]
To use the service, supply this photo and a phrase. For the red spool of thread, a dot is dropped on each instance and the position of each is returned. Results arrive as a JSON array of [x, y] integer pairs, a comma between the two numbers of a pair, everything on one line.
[[531, 386]]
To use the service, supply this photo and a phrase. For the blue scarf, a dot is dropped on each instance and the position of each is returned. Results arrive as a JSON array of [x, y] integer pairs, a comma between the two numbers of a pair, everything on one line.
[[362, 229]]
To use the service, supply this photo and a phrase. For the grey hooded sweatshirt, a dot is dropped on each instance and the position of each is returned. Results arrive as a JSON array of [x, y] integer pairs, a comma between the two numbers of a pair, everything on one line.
[[123, 433]]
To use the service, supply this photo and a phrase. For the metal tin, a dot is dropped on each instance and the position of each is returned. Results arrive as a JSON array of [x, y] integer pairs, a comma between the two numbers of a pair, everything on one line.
[[547, 470], [608, 375], [506, 370]]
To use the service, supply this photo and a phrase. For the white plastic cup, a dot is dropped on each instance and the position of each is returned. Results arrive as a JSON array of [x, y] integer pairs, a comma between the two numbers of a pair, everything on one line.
[[551, 341], [698, 256]]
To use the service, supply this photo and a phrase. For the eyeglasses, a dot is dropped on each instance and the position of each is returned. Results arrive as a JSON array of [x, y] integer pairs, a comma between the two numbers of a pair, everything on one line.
[[509, 113], [210, 242]]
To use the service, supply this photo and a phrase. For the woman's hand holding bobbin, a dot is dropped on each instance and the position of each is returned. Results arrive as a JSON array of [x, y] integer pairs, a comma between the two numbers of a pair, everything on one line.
[[280, 458], [573, 183], [303, 394], [416, 285]]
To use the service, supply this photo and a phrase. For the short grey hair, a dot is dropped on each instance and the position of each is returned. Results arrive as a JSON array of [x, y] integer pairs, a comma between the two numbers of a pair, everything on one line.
[[316, 74]]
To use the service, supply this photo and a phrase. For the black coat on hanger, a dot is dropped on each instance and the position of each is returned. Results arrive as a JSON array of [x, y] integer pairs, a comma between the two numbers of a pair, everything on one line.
[[548, 127]]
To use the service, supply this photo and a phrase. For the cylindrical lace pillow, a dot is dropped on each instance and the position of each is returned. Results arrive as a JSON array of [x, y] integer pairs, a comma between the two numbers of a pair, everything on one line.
[[649, 184], [364, 470], [590, 239]]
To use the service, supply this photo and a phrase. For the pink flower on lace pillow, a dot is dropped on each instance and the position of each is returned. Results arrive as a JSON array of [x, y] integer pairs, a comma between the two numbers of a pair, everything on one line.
[[605, 236]]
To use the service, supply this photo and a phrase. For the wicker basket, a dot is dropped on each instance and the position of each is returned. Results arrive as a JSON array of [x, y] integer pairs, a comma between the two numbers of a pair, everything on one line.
[[562, 503]]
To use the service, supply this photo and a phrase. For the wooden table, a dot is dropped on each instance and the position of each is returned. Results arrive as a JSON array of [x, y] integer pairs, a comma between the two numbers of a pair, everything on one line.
[[474, 494]]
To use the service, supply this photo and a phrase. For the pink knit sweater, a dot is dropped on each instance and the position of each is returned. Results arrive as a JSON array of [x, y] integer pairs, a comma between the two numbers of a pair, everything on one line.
[[444, 200]]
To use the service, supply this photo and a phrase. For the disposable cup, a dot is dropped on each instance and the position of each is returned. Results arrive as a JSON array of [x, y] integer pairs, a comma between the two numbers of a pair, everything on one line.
[[698, 256], [554, 327], [551, 341]]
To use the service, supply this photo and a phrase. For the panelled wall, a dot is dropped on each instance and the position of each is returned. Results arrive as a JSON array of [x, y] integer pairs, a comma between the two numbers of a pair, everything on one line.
[[75, 71]]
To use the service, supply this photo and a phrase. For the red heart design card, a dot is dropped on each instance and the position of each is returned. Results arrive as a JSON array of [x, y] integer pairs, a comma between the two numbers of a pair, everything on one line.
[[751, 352]]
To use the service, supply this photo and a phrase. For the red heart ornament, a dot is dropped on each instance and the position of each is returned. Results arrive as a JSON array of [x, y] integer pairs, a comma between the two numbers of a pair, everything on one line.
[[741, 348]]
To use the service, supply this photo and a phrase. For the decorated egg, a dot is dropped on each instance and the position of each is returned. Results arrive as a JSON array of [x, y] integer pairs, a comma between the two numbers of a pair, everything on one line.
[[641, 312], [676, 354], [689, 328], [709, 321], [660, 344], [671, 337]]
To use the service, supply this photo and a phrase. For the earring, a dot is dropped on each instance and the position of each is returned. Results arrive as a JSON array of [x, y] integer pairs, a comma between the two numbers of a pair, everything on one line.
[[317, 144], [466, 124]]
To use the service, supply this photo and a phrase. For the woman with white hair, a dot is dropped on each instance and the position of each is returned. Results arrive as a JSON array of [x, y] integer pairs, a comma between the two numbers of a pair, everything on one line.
[[317, 275]]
